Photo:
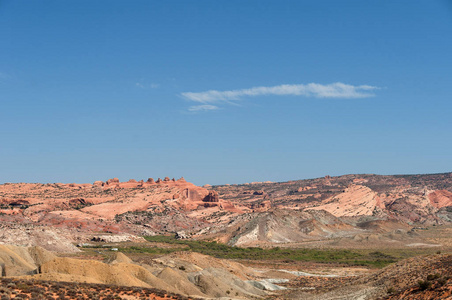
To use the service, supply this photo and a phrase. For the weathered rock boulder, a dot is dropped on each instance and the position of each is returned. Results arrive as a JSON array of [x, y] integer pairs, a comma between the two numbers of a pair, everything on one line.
[[181, 235], [212, 197], [112, 181]]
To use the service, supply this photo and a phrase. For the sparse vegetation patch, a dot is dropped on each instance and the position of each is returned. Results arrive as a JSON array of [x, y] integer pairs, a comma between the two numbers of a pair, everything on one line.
[[219, 250]]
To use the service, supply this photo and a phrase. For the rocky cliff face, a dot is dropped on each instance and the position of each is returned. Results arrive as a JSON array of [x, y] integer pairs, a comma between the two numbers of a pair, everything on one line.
[[143, 207], [408, 198], [212, 197]]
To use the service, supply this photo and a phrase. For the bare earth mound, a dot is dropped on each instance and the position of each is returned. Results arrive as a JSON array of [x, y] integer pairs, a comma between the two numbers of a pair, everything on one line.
[[189, 274]]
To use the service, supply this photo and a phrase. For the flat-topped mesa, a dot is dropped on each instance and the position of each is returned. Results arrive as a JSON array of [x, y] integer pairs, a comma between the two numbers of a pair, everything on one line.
[[132, 181]]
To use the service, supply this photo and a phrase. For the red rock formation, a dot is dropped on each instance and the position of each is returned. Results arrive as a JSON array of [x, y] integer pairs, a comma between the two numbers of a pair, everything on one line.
[[356, 200], [17, 203], [259, 193], [150, 180], [229, 206], [327, 179], [305, 188], [192, 195], [440, 198], [262, 206], [212, 197], [359, 180], [112, 181], [166, 179]]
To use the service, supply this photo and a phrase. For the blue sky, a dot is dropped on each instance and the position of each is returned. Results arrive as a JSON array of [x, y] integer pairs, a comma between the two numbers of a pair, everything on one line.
[[223, 91]]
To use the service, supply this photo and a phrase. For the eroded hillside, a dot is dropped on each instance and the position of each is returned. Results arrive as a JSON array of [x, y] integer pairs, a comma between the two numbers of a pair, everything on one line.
[[360, 208]]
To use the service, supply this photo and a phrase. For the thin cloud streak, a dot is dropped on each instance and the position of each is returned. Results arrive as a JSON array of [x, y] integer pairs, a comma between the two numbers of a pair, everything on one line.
[[334, 90], [205, 107]]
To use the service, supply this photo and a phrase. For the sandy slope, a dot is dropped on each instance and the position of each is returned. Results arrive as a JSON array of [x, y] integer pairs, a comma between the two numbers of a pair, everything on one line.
[[181, 273]]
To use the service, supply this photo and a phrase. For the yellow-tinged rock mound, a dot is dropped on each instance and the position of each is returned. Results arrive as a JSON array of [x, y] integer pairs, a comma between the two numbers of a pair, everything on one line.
[[94, 271], [40, 255], [189, 274], [221, 283], [193, 262], [16, 260], [180, 282], [119, 257]]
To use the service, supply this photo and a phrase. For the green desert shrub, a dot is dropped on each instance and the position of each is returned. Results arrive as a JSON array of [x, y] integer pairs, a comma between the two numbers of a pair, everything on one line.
[[424, 284]]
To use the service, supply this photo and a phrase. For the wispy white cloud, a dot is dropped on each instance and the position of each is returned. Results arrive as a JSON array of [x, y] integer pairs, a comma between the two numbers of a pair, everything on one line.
[[204, 107], [316, 90]]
